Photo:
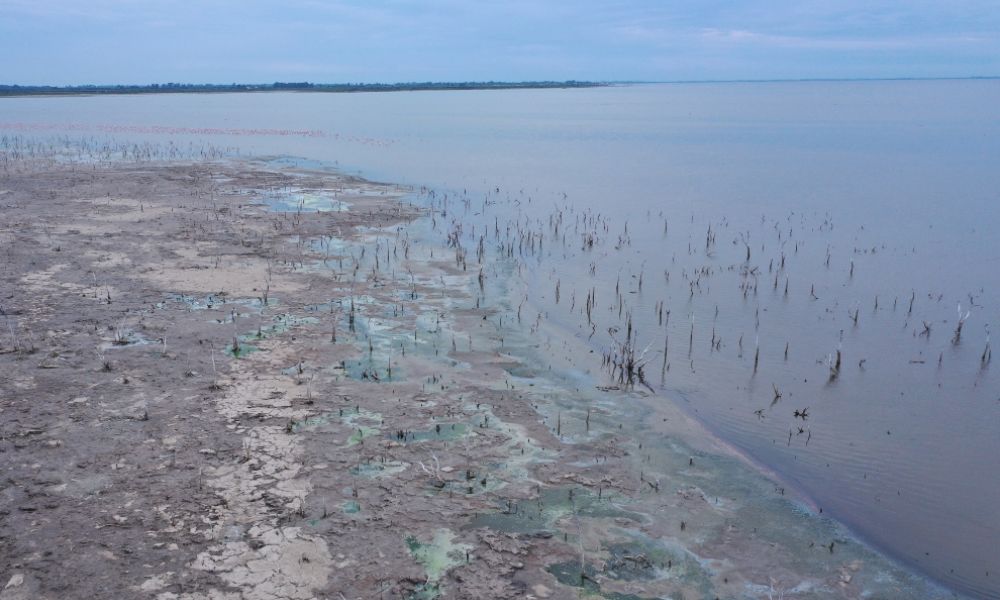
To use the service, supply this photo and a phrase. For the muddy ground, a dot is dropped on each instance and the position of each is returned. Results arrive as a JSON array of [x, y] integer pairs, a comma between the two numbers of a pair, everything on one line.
[[245, 380]]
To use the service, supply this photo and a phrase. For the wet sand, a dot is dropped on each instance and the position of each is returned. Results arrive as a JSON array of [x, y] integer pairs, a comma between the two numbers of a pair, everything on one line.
[[243, 380]]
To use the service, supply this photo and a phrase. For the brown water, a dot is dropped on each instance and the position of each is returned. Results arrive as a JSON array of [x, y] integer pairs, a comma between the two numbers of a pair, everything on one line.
[[900, 178]]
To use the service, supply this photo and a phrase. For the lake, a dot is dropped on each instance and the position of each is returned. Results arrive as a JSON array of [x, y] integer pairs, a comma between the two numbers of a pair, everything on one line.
[[756, 231]]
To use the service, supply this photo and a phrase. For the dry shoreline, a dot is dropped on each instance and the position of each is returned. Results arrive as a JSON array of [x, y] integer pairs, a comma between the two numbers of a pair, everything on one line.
[[204, 398]]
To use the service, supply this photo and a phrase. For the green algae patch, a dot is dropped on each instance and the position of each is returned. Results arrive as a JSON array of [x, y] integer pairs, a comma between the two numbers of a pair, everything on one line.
[[126, 339], [378, 469], [305, 201], [365, 423], [425, 591], [350, 507], [367, 370], [280, 324], [360, 434], [360, 415], [369, 423], [543, 513], [444, 432], [635, 562], [476, 484], [240, 350], [439, 555], [218, 301], [569, 574], [313, 422], [642, 558]]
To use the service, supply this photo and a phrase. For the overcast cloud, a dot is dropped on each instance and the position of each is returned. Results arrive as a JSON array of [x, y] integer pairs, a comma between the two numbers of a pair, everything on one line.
[[220, 41]]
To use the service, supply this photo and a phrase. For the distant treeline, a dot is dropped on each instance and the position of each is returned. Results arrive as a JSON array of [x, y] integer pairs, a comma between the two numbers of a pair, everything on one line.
[[167, 88]]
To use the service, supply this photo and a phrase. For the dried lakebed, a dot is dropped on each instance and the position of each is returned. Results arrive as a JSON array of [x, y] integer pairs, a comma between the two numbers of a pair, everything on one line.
[[246, 380]]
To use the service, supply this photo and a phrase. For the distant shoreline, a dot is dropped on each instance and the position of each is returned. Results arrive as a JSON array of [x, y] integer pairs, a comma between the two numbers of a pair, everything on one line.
[[9, 90], [186, 88]]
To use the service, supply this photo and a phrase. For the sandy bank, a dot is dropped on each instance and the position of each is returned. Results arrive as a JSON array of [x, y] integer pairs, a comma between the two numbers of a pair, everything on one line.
[[204, 397]]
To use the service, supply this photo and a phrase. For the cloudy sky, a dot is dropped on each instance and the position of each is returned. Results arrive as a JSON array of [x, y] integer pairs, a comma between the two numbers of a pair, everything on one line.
[[221, 41]]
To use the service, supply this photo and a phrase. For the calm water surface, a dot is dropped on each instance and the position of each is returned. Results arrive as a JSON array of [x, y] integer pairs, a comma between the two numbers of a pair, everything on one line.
[[900, 179]]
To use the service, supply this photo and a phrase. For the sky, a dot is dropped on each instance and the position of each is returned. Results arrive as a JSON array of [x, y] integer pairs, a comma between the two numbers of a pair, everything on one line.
[[67, 42]]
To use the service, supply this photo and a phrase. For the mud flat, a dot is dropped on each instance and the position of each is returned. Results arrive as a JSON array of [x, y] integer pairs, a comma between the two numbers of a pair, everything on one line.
[[251, 380]]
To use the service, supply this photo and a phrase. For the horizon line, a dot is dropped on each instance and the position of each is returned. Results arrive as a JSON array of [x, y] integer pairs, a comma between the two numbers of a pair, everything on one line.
[[305, 86], [820, 79]]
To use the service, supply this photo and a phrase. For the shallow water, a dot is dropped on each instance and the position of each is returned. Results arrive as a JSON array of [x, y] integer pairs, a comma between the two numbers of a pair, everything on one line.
[[901, 178]]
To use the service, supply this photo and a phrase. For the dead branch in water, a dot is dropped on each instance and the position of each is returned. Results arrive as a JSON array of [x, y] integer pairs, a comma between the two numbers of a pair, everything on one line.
[[961, 322], [625, 363]]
